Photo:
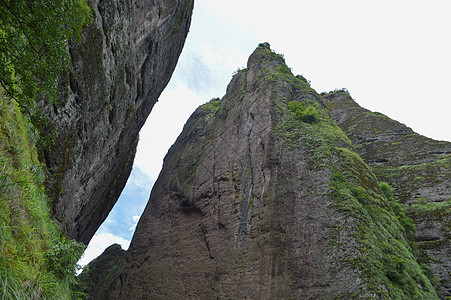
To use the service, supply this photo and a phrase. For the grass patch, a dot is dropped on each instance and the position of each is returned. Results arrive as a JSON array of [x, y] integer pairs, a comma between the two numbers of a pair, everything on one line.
[[36, 260]]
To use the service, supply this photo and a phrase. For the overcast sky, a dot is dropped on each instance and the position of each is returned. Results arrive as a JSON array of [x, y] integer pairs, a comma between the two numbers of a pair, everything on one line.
[[393, 56]]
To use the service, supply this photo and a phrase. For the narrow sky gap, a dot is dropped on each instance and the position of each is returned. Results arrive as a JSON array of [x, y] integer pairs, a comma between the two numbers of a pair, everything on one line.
[[121, 222]]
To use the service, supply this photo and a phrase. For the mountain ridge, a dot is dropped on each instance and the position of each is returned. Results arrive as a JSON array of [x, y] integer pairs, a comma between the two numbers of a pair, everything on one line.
[[418, 168], [263, 195]]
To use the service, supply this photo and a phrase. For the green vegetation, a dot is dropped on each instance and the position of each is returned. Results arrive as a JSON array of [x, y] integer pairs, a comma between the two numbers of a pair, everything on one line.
[[432, 212], [211, 106], [384, 233], [33, 46], [386, 172], [422, 207], [386, 260], [242, 69], [36, 260], [336, 91], [267, 47], [319, 135], [305, 114], [406, 222]]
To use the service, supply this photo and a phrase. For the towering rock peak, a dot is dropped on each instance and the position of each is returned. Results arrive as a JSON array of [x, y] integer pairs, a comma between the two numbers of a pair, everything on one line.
[[263, 196], [263, 57], [419, 169], [124, 61]]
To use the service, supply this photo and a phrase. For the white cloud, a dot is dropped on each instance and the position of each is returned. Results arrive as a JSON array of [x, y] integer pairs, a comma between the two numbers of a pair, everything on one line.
[[165, 123], [393, 56], [135, 220], [139, 179], [99, 243]]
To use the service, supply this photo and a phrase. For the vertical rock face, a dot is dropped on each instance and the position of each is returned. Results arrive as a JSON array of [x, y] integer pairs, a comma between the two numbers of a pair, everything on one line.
[[418, 168], [125, 59], [263, 197]]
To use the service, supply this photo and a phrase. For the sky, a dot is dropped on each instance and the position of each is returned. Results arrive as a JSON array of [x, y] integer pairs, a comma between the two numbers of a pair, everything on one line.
[[393, 56]]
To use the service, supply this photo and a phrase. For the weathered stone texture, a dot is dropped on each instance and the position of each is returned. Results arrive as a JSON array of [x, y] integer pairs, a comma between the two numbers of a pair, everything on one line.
[[100, 278], [418, 168], [124, 61], [228, 216], [379, 139], [252, 203]]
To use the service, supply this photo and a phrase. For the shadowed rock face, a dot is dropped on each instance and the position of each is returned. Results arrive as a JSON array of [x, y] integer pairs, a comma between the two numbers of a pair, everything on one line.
[[418, 168], [124, 61], [102, 272], [259, 199]]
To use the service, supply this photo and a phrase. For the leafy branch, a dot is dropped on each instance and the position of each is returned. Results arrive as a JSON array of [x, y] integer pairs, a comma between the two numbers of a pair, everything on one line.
[[33, 46]]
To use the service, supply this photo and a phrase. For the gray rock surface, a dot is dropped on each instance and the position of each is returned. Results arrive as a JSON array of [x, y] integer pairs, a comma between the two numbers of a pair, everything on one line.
[[256, 202], [124, 61], [418, 168], [380, 140], [103, 271]]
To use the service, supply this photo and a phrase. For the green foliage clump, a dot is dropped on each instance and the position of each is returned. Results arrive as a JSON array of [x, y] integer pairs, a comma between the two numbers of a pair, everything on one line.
[[296, 107], [33, 45], [303, 79], [336, 91], [265, 45], [310, 115], [211, 106], [31, 266], [63, 256], [320, 138], [307, 114], [395, 268]]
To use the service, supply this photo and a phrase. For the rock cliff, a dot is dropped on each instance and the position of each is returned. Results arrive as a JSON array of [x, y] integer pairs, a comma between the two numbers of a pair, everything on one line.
[[418, 168], [263, 196], [125, 59], [103, 272]]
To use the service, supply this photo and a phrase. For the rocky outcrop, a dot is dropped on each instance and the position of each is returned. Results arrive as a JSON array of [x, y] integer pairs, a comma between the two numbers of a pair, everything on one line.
[[419, 169], [125, 59], [102, 272], [380, 140], [263, 196]]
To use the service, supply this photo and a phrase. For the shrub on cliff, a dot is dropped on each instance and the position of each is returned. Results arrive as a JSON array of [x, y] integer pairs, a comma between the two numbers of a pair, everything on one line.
[[307, 114]]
